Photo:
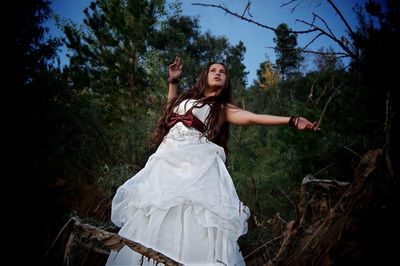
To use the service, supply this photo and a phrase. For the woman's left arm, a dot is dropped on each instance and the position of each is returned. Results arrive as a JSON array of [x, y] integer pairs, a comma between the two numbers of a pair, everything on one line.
[[238, 116]]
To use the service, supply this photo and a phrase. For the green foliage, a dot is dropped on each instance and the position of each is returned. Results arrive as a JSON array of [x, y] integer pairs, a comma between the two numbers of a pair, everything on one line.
[[119, 66], [377, 70], [180, 35], [35, 119], [234, 59], [268, 163], [90, 122], [111, 177], [288, 56], [37, 88], [267, 75]]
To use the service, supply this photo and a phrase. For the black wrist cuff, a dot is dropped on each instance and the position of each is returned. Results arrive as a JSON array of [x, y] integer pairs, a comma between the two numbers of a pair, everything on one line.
[[174, 80], [293, 121]]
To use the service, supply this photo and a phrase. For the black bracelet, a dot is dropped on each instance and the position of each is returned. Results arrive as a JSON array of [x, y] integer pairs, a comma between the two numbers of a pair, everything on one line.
[[293, 120], [174, 80]]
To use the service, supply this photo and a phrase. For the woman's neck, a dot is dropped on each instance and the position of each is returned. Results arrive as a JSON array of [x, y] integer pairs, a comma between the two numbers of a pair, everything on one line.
[[211, 92]]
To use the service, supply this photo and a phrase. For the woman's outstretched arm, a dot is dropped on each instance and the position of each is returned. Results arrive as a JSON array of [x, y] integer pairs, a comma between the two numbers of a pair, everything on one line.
[[238, 116]]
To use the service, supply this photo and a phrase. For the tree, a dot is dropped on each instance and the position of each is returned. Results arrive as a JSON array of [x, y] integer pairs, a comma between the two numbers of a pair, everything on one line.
[[326, 59], [378, 72], [33, 52], [288, 55], [181, 35], [117, 75], [234, 59], [108, 75], [36, 119], [109, 120], [267, 74], [110, 49]]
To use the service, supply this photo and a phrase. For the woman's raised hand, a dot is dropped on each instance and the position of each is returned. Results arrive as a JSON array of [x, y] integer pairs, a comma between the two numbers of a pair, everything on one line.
[[175, 69]]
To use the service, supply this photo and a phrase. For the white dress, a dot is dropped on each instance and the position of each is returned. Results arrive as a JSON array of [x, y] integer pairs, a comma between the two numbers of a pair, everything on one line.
[[183, 203]]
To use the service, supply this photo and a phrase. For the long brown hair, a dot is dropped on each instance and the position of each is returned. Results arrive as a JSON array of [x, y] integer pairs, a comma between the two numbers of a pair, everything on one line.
[[214, 131]]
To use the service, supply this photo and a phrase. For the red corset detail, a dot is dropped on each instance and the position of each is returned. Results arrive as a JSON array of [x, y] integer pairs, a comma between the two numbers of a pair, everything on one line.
[[188, 119]]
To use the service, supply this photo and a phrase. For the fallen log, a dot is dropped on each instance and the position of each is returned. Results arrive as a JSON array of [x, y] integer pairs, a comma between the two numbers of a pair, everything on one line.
[[112, 241], [313, 244]]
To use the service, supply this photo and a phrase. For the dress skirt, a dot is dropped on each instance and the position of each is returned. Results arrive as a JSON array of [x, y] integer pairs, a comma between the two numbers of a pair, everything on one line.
[[183, 204]]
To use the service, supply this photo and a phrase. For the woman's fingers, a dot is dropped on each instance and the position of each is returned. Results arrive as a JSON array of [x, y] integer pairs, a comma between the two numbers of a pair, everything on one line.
[[315, 126], [177, 64]]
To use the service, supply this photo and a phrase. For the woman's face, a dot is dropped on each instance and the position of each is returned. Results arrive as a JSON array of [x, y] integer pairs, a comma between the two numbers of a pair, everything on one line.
[[216, 76]]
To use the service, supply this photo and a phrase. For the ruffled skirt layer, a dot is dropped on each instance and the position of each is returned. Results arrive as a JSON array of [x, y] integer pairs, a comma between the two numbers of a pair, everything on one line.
[[183, 204]]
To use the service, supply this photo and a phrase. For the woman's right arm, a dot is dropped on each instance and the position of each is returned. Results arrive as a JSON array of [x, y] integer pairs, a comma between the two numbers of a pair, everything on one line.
[[174, 76], [238, 116]]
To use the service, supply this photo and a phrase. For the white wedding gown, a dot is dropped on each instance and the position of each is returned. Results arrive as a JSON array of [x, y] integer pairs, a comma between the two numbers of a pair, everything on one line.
[[182, 203]]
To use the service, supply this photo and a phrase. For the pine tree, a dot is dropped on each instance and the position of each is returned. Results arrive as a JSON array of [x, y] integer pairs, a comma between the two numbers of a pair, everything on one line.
[[288, 56]]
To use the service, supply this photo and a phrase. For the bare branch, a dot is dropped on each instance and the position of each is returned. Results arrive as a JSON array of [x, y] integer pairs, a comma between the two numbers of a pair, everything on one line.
[[310, 179], [341, 17], [337, 91], [324, 169], [332, 37], [263, 245], [299, 2], [339, 54], [314, 28], [242, 17], [308, 44], [290, 2], [311, 94], [326, 24], [347, 148], [247, 9], [286, 196], [57, 237], [299, 51], [303, 50]]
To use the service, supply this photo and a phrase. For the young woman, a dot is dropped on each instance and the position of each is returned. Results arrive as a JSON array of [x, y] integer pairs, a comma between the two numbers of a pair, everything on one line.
[[183, 202]]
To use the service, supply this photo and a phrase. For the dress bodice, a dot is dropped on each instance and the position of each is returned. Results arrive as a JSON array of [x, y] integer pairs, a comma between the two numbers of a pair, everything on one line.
[[179, 131], [200, 112]]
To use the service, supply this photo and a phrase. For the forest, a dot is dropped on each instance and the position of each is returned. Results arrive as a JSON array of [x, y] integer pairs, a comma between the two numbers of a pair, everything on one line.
[[81, 130]]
